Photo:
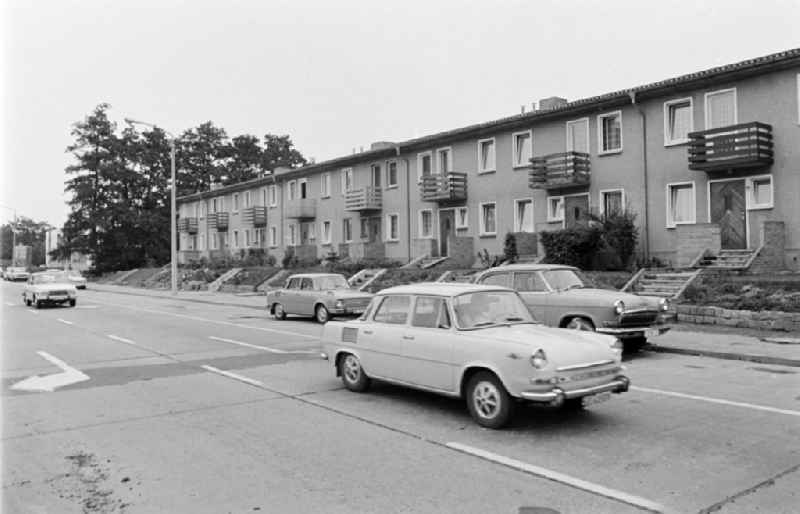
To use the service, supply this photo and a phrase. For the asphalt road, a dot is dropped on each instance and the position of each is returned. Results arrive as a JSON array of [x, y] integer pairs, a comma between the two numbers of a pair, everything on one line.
[[188, 407]]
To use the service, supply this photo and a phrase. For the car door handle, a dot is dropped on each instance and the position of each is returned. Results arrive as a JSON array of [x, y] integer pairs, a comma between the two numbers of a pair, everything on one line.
[[368, 332], [408, 338]]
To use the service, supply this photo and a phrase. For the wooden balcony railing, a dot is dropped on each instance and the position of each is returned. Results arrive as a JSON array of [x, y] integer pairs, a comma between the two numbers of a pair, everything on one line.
[[746, 145], [447, 187], [188, 225], [557, 170], [366, 199], [301, 209], [218, 221], [255, 216]]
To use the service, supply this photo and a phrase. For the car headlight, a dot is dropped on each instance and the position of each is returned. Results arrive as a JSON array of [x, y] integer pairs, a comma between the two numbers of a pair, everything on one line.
[[617, 345], [539, 359], [339, 304], [664, 304], [619, 306]]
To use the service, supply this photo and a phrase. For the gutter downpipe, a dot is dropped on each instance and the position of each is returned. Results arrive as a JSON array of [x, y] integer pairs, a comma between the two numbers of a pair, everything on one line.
[[646, 224], [408, 202]]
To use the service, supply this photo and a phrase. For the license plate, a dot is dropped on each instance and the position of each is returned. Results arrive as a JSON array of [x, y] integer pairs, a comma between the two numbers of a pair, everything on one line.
[[594, 399], [58, 298], [651, 332], [357, 311]]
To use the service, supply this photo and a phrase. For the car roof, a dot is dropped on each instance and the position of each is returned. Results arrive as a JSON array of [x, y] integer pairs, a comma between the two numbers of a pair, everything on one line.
[[530, 267], [315, 275], [440, 289]]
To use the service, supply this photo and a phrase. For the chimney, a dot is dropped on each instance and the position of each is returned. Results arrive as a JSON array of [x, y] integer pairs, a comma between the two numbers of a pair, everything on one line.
[[380, 145], [553, 102], [361, 150], [533, 106], [522, 109]]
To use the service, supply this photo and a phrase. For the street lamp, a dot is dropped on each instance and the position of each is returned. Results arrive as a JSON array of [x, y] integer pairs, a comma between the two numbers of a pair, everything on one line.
[[173, 228]]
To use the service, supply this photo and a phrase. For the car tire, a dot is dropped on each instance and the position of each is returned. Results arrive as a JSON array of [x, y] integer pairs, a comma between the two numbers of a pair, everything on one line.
[[72, 303], [321, 314], [278, 312], [633, 344], [27, 302], [353, 375], [573, 404], [37, 303], [580, 323], [488, 402]]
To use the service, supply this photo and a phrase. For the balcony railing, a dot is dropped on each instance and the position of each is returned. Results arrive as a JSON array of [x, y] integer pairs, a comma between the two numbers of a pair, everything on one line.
[[218, 221], [301, 209], [188, 225], [557, 170], [448, 187], [366, 199], [747, 145], [255, 216]]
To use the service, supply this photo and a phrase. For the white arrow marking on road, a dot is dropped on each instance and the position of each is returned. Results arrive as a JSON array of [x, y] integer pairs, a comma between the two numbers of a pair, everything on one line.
[[49, 383], [65, 321]]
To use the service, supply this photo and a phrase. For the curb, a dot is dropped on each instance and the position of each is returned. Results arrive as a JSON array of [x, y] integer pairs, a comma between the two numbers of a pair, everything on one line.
[[761, 359], [181, 298]]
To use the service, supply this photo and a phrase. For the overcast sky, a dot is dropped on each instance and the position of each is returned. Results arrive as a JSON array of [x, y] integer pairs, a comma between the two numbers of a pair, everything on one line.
[[335, 75]]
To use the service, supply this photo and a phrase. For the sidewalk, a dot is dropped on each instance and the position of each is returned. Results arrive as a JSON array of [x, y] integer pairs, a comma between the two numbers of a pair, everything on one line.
[[766, 347]]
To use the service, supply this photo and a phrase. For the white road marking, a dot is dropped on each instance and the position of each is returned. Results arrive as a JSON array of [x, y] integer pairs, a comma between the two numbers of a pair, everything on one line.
[[717, 400], [560, 477], [86, 306], [33, 311], [121, 339], [11, 304], [65, 321], [265, 348], [234, 376], [49, 383]]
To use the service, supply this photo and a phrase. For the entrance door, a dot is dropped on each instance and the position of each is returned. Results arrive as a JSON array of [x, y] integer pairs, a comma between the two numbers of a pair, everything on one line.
[[374, 228], [729, 210], [446, 223], [305, 232], [576, 210]]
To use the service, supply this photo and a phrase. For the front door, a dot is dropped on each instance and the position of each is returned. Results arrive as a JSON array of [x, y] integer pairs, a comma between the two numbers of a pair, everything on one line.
[[728, 210], [446, 223], [374, 228], [305, 232], [576, 211]]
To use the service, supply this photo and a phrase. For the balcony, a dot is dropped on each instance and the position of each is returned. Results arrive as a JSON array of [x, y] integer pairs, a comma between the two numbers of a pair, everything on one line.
[[218, 221], [747, 145], [255, 216], [446, 188], [301, 209], [188, 225], [362, 200], [558, 170]]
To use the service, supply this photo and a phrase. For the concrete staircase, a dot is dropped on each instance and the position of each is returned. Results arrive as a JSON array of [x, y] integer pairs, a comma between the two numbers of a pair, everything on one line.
[[659, 282], [217, 284], [730, 260], [365, 277], [430, 262], [457, 276]]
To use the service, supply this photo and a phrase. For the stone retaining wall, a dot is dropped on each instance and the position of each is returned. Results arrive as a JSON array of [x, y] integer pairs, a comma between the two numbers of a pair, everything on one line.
[[761, 320]]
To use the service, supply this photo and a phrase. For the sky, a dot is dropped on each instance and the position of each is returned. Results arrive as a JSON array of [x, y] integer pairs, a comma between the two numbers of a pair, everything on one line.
[[335, 75]]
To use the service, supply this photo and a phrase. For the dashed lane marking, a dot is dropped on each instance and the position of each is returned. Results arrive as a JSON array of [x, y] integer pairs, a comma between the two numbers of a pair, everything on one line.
[[86, 306], [234, 376], [258, 347], [11, 304], [121, 339], [65, 321], [33, 311], [717, 401]]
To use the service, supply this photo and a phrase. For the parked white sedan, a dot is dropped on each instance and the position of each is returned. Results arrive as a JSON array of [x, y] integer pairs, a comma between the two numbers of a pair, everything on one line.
[[49, 287], [475, 342]]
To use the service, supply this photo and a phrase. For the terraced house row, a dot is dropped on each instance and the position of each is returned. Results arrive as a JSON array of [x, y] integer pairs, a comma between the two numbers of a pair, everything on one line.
[[708, 161]]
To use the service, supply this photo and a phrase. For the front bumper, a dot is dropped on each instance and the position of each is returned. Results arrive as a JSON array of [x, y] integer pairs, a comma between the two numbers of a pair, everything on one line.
[[557, 396], [634, 331]]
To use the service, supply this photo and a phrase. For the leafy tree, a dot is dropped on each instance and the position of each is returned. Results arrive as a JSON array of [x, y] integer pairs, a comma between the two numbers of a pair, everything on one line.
[[280, 151], [29, 233], [510, 248], [202, 156], [246, 158]]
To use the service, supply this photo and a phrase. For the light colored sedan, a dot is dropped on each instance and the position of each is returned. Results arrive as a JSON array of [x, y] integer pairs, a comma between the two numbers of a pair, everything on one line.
[[78, 280], [321, 295], [15, 273], [49, 287], [480, 343]]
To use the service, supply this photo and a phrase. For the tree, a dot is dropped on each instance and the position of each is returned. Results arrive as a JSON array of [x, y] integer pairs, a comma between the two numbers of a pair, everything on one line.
[[202, 156], [280, 151], [510, 248], [29, 233], [246, 158]]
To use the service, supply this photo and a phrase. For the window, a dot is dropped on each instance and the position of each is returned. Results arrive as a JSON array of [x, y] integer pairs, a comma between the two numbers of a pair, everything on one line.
[[291, 191], [392, 230], [375, 175], [292, 235], [347, 230], [262, 236], [273, 195], [294, 283], [236, 239], [522, 148], [235, 202], [612, 202], [680, 204], [462, 217], [555, 208], [213, 241], [760, 193], [247, 198], [529, 282], [364, 234], [488, 219], [430, 313], [325, 187], [347, 180], [273, 236], [326, 232], [303, 188], [424, 167], [678, 121], [393, 309], [444, 161], [247, 238], [202, 242], [425, 223], [391, 174], [497, 279], [609, 132], [721, 109], [578, 135], [523, 215], [486, 157]]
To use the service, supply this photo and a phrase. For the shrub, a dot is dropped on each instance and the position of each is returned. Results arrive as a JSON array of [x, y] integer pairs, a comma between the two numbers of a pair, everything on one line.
[[572, 246], [289, 260], [620, 233], [510, 248], [489, 261]]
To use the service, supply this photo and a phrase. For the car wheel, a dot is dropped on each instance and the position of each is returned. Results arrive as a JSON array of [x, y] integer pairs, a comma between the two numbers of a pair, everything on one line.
[[37, 303], [72, 303], [27, 302], [321, 314], [488, 401], [278, 312], [353, 375], [579, 323]]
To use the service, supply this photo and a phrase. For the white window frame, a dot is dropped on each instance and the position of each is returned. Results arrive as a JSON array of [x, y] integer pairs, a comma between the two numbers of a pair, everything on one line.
[[600, 118], [235, 203], [668, 141], [570, 143], [344, 179], [326, 232], [273, 195], [556, 216], [670, 222], [604, 192], [749, 188], [246, 199], [325, 185], [482, 223], [389, 217], [458, 218], [214, 242], [291, 190], [293, 233], [719, 92], [389, 185], [437, 169], [345, 223], [514, 152], [420, 225], [420, 156], [517, 221], [273, 236], [493, 166]]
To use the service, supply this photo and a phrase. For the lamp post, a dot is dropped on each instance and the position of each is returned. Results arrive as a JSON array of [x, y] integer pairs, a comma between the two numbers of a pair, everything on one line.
[[172, 220]]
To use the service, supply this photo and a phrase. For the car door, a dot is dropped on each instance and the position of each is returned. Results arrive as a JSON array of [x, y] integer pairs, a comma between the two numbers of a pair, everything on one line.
[[534, 291], [288, 295], [382, 340], [306, 296], [428, 345]]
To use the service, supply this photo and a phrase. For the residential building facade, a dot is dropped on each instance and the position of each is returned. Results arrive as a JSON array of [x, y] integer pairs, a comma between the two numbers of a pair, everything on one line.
[[709, 159]]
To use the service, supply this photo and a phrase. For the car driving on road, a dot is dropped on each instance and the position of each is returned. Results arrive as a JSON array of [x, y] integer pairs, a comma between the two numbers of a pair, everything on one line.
[[16, 273], [480, 343], [321, 295], [50, 288]]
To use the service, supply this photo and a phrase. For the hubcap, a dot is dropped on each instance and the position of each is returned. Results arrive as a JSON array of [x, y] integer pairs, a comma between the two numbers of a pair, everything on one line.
[[322, 314], [486, 399], [279, 311], [352, 369], [579, 324]]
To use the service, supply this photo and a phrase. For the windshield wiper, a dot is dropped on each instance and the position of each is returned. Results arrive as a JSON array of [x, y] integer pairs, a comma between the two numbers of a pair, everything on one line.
[[514, 318]]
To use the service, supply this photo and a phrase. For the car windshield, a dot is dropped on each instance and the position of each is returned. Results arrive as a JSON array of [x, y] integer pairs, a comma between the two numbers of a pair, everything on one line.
[[331, 282], [563, 279], [488, 308], [49, 278]]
